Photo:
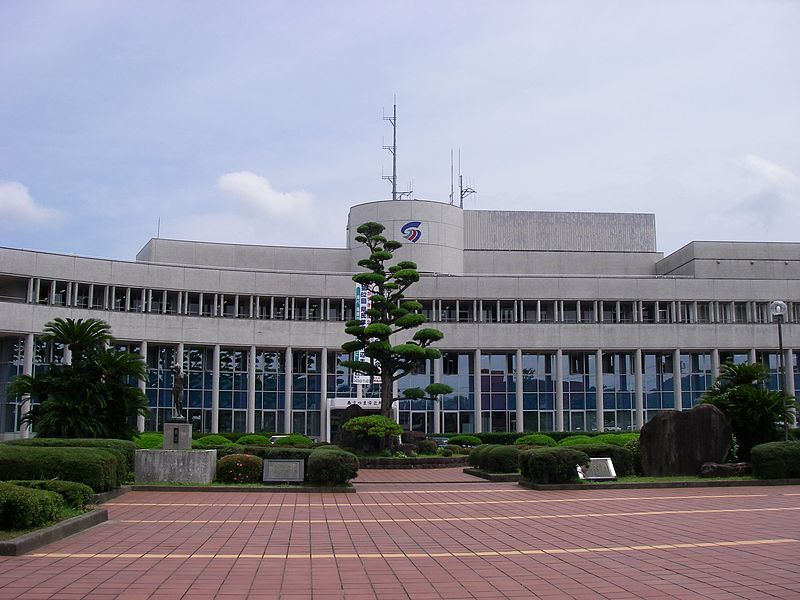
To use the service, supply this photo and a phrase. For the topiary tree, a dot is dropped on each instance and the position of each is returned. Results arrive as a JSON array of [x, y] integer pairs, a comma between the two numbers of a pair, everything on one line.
[[374, 430], [754, 411], [390, 314]]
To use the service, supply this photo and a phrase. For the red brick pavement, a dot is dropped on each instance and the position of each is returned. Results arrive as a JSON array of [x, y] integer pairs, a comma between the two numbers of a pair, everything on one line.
[[422, 540]]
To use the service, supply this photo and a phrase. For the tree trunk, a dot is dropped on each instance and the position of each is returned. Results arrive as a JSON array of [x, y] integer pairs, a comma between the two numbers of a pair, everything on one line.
[[386, 397]]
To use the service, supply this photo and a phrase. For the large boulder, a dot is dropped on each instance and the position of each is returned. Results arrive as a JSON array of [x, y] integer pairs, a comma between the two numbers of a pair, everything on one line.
[[679, 442]]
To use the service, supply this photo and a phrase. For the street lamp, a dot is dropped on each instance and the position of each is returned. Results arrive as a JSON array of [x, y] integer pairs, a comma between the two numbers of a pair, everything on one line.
[[777, 309]]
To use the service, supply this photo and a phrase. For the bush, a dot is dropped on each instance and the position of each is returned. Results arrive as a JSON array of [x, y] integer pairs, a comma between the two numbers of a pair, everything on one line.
[[551, 465], [240, 468], [636, 454], [75, 495], [621, 457], [331, 467], [149, 440], [22, 507], [271, 452], [99, 468], [776, 460], [476, 455], [125, 449], [502, 459], [427, 447], [498, 437], [253, 440], [536, 439], [456, 449], [446, 452], [465, 440], [294, 439], [211, 441], [412, 437], [618, 439], [576, 440]]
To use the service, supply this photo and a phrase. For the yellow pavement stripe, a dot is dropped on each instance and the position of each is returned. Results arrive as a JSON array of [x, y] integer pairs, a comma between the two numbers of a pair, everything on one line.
[[442, 503], [439, 554], [453, 519]]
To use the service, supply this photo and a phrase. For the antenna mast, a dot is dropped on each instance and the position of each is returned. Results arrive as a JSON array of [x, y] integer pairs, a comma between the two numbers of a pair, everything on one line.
[[463, 192], [393, 151]]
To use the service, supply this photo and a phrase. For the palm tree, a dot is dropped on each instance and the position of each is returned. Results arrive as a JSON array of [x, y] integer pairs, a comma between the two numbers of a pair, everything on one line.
[[80, 335], [754, 411]]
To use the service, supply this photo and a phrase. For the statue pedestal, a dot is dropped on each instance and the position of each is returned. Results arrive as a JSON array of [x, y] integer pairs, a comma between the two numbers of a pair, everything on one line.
[[177, 435], [175, 466]]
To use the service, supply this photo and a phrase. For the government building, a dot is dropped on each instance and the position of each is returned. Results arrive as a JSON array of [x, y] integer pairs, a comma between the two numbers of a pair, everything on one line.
[[551, 321]]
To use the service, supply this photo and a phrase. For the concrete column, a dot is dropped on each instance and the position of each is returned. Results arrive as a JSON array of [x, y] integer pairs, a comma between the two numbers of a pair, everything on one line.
[[140, 420], [437, 404], [127, 299], [323, 396], [179, 355], [751, 356], [287, 398], [559, 391], [31, 290], [598, 375], [715, 363], [639, 393], [477, 369], [520, 392], [215, 390], [677, 385], [29, 350], [251, 390], [179, 308]]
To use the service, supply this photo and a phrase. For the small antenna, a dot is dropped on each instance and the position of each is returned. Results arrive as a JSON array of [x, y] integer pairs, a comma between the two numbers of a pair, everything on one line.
[[452, 193], [393, 151], [158, 228], [463, 192]]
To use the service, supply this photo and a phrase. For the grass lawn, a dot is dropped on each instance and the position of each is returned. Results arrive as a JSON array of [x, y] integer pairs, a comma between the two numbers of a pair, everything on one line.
[[67, 513]]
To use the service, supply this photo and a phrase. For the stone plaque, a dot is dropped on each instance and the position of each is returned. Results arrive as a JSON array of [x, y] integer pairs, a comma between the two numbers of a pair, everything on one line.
[[284, 469]]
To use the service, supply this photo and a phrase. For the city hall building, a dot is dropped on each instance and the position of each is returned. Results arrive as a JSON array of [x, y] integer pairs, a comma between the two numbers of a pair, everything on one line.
[[551, 321]]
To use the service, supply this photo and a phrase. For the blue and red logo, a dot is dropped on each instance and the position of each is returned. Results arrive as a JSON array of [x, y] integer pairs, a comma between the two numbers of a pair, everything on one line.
[[411, 231]]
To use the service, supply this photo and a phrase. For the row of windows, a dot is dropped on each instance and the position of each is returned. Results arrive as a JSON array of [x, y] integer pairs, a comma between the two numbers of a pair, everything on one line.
[[205, 304]]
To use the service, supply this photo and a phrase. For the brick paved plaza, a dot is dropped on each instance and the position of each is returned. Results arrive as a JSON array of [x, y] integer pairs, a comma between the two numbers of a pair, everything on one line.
[[427, 540]]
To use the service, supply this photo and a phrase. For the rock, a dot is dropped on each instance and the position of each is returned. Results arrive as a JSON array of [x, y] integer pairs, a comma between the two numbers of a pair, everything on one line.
[[679, 442], [711, 469]]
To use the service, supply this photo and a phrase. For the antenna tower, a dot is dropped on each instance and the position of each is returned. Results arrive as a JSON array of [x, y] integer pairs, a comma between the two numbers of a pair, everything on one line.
[[463, 192], [393, 151]]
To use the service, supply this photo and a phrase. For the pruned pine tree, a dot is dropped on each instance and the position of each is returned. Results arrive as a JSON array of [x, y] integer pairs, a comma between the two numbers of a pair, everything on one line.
[[390, 314]]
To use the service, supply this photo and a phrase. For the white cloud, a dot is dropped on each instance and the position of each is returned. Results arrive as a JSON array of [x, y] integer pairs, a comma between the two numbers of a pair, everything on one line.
[[19, 208], [769, 173], [773, 202], [256, 195]]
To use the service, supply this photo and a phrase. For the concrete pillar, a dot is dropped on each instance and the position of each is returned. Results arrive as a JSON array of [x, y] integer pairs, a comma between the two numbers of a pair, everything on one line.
[[639, 393], [437, 404], [251, 390], [788, 365], [751, 357], [215, 390], [140, 420], [29, 350], [559, 391], [715, 363], [598, 375], [287, 398], [677, 385], [477, 369], [323, 395], [520, 392]]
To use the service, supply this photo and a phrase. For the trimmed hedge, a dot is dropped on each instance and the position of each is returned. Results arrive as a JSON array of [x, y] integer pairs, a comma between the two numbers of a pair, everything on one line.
[[575, 440], [535, 439], [149, 440], [618, 439], [330, 466], [776, 460], [98, 468], [635, 449], [294, 439], [75, 495], [23, 507], [427, 447], [456, 449], [476, 455], [465, 440], [621, 457], [551, 465], [269, 452], [125, 449], [240, 468], [253, 440], [502, 459], [211, 441]]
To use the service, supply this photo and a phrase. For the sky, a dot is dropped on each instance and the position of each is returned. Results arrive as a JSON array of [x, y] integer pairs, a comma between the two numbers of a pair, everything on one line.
[[262, 122]]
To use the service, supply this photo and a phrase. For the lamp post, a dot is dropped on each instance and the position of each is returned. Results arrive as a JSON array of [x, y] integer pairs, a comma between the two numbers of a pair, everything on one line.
[[778, 310]]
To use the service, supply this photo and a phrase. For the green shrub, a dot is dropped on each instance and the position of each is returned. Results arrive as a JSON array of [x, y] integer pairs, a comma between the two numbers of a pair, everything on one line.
[[225, 450], [23, 507], [240, 468], [149, 440], [776, 460], [446, 452], [270, 452], [427, 447], [536, 439], [635, 449], [253, 440], [294, 439], [99, 468], [75, 495], [497, 437], [502, 459], [551, 465], [209, 441], [576, 440], [456, 449], [125, 449], [618, 439], [621, 457], [331, 467], [465, 440], [475, 455]]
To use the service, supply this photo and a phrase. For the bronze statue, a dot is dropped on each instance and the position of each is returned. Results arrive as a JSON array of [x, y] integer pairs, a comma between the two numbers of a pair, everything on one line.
[[178, 385]]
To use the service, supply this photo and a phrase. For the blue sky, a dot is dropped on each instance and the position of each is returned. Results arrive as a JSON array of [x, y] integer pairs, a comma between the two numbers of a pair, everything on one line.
[[261, 122]]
